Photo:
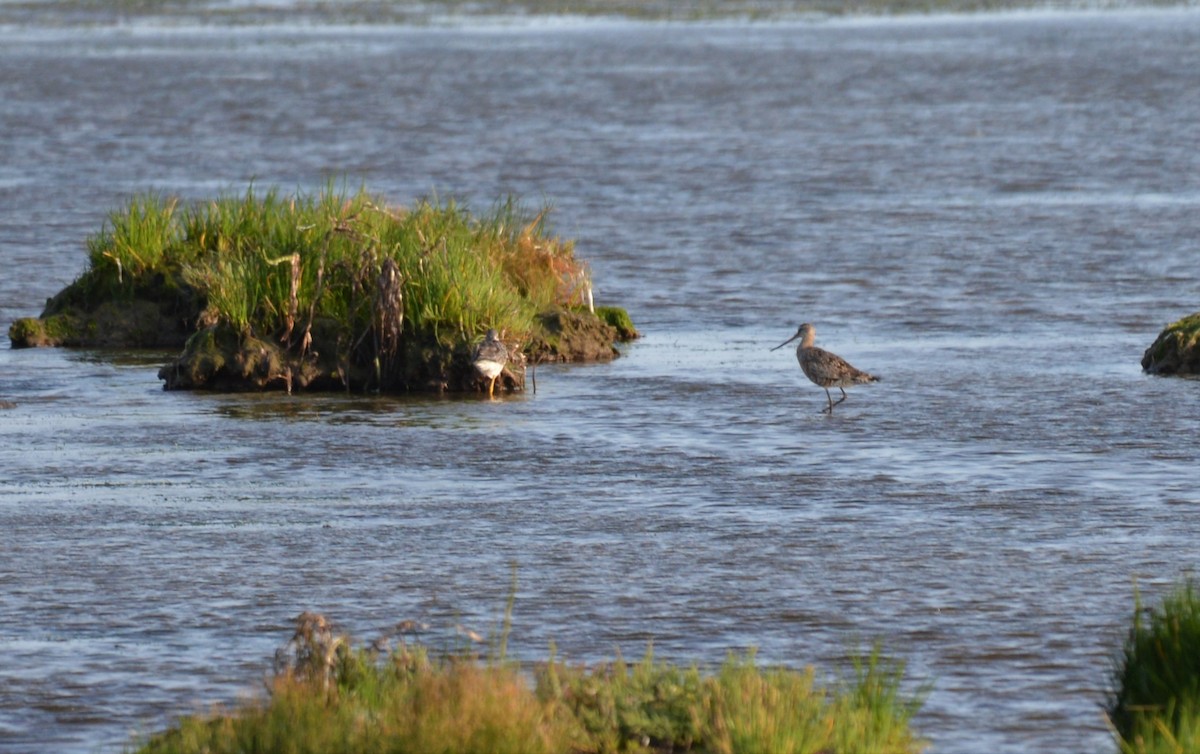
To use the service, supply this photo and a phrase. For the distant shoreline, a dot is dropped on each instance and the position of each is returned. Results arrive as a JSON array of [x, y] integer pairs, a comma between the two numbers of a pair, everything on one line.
[[237, 13]]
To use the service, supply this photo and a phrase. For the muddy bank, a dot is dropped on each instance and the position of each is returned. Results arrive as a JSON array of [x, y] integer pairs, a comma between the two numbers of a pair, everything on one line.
[[158, 312], [219, 358]]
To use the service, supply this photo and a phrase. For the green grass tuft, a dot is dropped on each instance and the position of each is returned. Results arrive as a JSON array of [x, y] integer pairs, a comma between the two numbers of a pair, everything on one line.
[[618, 318], [134, 242], [1187, 329], [779, 711], [1155, 702], [270, 265], [621, 706]]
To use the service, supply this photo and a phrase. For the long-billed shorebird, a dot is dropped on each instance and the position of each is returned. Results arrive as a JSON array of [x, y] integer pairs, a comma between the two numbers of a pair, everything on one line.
[[489, 358], [824, 368]]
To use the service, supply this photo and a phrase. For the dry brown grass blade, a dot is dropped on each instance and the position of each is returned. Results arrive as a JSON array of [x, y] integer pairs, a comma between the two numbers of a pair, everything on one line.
[[389, 307], [293, 298], [531, 228], [312, 651]]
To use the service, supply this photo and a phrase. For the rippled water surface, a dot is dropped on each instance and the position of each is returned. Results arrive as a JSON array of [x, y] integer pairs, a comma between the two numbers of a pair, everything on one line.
[[996, 215]]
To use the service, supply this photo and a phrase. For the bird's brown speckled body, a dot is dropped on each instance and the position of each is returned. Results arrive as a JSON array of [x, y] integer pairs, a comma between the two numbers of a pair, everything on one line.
[[824, 368]]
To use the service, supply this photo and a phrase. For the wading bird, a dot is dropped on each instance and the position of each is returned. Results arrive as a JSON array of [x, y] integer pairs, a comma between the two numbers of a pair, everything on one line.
[[824, 368], [489, 358]]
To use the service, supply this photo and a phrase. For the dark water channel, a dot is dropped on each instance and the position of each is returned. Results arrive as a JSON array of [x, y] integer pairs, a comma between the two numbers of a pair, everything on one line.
[[996, 215]]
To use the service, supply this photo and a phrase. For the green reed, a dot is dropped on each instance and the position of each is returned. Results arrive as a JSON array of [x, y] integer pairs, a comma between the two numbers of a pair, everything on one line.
[[1154, 705]]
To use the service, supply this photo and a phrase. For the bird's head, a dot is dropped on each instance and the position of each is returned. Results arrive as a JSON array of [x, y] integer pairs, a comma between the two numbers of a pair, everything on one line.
[[806, 333]]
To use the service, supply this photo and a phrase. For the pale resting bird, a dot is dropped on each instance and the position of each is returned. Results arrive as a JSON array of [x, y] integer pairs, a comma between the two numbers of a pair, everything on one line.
[[824, 368], [489, 358]]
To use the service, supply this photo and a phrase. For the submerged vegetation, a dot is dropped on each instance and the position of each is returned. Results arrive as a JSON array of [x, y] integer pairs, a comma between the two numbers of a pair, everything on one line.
[[1154, 706], [327, 695], [333, 290]]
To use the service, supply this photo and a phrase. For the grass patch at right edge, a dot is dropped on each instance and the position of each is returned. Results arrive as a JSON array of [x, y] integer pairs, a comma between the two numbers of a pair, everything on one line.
[[1154, 705]]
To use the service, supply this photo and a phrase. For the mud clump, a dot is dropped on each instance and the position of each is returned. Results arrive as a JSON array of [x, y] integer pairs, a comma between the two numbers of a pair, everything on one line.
[[1176, 351], [156, 314], [570, 336]]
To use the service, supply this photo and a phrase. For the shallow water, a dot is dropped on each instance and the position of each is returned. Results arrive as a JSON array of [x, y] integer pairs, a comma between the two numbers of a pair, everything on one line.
[[995, 214]]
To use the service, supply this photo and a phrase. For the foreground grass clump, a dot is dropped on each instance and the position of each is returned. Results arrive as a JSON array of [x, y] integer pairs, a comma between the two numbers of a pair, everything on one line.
[[333, 290], [1155, 703], [328, 696]]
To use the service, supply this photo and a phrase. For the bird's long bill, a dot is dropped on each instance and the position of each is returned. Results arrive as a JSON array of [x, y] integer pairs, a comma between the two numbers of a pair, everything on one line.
[[784, 343]]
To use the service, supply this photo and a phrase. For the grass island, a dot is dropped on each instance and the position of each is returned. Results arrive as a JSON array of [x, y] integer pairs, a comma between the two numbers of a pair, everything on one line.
[[330, 291]]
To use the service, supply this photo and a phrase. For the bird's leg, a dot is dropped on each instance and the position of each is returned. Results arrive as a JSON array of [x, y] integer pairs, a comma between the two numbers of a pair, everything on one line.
[[491, 387], [829, 398], [843, 395]]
